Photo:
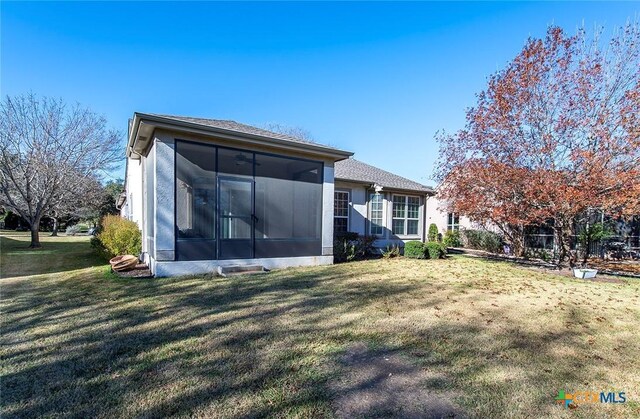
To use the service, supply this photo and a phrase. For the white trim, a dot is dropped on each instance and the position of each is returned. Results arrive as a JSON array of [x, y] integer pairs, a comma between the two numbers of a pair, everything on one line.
[[348, 216], [369, 211], [453, 226], [406, 217]]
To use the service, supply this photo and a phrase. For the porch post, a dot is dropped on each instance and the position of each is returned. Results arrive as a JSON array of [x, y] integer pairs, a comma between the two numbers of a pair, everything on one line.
[[327, 210], [164, 183]]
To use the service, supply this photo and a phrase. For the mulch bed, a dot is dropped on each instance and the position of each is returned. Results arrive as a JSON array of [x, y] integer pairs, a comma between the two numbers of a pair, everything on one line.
[[623, 268], [140, 271], [506, 258]]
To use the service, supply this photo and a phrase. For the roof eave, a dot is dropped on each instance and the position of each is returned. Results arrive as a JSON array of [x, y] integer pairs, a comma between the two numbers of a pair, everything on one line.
[[429, 191], [145, 124]]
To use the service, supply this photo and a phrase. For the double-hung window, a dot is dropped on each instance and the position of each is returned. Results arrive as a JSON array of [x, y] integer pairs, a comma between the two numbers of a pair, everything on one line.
[[376, 214], [405, 215], [340, 212], [453, 221]]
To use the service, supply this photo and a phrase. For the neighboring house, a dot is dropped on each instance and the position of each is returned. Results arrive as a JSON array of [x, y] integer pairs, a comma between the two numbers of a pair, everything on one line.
[[446, 221], [210, 193]]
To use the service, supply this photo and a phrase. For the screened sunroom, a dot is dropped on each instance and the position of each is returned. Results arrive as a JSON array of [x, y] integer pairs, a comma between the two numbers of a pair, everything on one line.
[[217, 193]]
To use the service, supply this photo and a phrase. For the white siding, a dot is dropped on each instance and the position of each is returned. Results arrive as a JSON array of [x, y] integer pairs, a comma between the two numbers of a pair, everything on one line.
[[132, 208], [357, 205], [359, 213]]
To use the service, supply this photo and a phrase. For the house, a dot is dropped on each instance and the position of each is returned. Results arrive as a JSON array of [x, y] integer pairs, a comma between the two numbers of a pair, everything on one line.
[[373, 202], [212, 193], [448, 221]]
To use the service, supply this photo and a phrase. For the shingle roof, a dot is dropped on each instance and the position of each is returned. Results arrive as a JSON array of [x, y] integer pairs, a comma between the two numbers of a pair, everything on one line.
[[242, 128], [354, 170]]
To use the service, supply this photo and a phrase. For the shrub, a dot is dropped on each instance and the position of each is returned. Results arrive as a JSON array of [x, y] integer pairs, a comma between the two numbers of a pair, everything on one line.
[[436, 250], [452, 239], [433, 232], [73, 230], [482, 240], [341, 250], [391, 252], [537, 254], [120, 236], [347, 235], [348, 247], [415, 249]]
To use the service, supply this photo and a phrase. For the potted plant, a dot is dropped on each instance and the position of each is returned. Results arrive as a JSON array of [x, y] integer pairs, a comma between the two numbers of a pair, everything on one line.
[[584, 273]]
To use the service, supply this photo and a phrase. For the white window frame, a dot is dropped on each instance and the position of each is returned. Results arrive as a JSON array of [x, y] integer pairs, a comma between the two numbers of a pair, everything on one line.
[[382, 210], [406, 217], [348, 206], [451, 221]]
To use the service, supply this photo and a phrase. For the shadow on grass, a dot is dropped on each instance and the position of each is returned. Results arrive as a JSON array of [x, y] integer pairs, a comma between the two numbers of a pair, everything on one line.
[[251, 346], [86, 347]]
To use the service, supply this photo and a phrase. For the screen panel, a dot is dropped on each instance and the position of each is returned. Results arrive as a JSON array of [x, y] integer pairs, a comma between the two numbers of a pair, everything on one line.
[[288, 207], [195, 201]]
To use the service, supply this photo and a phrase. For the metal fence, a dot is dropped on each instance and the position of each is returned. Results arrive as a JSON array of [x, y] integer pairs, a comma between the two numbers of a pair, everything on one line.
[[546, 243]]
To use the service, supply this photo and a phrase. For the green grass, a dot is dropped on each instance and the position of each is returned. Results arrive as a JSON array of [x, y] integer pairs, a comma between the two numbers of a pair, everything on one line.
[[498, 340], [58, 254]]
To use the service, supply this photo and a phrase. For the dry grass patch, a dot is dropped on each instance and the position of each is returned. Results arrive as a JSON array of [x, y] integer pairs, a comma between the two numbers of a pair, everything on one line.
[[486, 338]]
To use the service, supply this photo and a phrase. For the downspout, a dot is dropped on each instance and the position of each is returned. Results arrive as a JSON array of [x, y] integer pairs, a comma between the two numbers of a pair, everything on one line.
[[424, 217]]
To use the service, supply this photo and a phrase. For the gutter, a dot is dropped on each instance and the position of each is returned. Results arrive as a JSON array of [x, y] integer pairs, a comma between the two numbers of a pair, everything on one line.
[[424, 217]]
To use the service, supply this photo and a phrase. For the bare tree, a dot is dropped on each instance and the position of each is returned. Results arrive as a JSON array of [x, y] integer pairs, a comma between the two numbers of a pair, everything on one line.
[[81, 198], [296, 132], [51, 156]]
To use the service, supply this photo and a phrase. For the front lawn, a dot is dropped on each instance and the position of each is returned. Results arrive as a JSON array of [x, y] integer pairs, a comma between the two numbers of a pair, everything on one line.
[[459, 336]]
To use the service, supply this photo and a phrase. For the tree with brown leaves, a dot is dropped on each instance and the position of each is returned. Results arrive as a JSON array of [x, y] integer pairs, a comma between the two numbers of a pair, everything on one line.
[[555, 133]]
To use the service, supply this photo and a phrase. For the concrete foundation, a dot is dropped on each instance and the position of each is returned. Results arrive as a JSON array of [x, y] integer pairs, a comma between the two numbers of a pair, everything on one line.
[[198, 267]]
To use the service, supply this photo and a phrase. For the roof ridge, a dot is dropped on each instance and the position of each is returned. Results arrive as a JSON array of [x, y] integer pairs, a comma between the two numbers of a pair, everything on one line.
[[359, 171], [390, 173], [386, 171]]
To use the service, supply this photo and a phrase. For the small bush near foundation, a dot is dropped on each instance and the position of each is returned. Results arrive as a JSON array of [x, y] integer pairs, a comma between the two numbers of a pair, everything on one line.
[[452, 239], [391, 252], [415, 250], [436, 250], [433, 232], [349, 246], [119, 236]]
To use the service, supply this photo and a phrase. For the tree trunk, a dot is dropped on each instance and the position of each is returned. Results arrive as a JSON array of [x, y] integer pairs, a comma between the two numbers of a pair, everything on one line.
[[514, 236], [562, 233], [35, 236], [54, 233], [518, 241]]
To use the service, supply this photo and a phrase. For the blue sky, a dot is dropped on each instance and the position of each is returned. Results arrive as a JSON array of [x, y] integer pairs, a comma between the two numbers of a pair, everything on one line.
[[378, 79]]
